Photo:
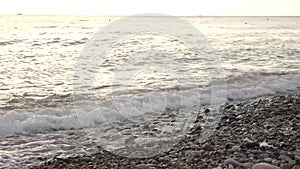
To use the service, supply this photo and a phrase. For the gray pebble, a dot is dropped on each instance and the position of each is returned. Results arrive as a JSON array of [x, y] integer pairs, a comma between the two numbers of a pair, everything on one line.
[[264, 166], [236, 148], [142, 166], [268, 159], [296, 167]]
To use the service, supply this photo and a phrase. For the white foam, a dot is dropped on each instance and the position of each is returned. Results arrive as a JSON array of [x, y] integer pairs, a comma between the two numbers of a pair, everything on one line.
[[25, 122], [42, 121], [263, 86]]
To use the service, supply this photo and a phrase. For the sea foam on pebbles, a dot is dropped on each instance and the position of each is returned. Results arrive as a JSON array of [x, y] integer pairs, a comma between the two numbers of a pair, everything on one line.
[[259, 134]]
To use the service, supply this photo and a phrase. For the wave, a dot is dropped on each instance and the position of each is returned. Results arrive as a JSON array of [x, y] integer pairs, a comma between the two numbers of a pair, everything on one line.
[[257, 84], [14, 122]]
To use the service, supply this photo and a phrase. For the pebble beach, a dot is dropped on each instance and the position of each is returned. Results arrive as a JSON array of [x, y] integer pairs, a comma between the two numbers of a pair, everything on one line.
[[203, 92], [261, 133]]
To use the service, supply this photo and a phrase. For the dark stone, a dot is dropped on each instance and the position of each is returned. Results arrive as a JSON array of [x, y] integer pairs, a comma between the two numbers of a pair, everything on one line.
[[250, 145], [206, 111], [40, 158], [207, 147], [229, 106], [228, 145], [196, 129]]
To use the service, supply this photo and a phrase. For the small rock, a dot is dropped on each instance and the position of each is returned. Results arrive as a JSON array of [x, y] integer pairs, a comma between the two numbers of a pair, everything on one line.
[[228, 145], [218, 167], [297, 157], [230, 166], [146, 127], [195, 147], [207, 147], [142, 166], [251, 145], [287, 159], [40, 158], [229, 106], [196, 129], [265, 144], [263, 155], [236, 148], [152, 161], [285, 166], [231, 162], [296, 167], [268, 159], [197, 154], [155, 129], [264, 166], [239, 117], [165, 159], [206, 111]]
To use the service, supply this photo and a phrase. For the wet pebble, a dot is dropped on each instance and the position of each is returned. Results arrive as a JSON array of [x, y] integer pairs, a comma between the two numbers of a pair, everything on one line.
[[260, 131]]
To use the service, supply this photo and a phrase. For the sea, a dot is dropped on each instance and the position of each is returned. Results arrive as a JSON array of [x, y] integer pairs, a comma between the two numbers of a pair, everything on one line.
[[72, 84]]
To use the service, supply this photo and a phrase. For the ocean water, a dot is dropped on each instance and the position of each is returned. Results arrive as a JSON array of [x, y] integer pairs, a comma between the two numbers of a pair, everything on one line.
[[54, 95]]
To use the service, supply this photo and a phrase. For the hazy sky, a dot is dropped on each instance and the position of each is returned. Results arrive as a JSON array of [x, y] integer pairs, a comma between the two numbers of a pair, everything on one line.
[[169, 7]]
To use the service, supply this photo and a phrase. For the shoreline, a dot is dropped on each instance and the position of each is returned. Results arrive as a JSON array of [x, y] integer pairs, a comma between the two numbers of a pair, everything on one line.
[[254, 131]]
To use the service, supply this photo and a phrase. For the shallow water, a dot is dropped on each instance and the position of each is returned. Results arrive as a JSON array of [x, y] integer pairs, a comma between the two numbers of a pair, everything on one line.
[[39, 55]]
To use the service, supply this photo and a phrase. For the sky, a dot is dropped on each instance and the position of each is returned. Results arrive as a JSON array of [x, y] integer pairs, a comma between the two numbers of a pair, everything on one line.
[[168, 7]]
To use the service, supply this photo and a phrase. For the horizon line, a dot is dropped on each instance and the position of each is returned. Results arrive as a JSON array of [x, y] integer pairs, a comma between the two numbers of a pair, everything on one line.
[[106, 15]]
